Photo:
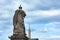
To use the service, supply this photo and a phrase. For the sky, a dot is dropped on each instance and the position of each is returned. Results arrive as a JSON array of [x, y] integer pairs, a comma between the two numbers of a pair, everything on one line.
[[42, 15]]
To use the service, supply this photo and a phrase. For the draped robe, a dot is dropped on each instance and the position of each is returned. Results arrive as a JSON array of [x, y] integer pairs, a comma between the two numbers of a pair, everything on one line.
[[18, 20]]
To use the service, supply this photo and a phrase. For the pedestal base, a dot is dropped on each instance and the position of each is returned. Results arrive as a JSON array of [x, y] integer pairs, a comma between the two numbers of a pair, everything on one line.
[[16, 37]]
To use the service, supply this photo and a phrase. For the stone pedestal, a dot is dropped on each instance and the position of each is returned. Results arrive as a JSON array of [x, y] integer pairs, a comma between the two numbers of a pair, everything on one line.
[[18, 37]]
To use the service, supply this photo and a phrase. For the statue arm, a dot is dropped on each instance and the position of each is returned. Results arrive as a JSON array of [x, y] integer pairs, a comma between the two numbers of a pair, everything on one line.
[[15, 18]]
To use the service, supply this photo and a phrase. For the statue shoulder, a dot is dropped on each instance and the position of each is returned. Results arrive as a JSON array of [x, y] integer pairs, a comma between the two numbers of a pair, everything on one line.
[[17, 10], [22, 11]]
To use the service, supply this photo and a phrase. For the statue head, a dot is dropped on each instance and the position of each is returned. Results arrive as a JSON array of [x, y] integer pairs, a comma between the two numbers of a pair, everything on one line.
[[20, 7]]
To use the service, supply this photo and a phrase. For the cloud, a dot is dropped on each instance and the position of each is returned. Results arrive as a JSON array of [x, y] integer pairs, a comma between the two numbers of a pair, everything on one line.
[[2, 1], [52, 28], [1, 31], [43, 4], [40, 14], [43, 16], [43, 39], [4, 15], [54, 37], [32, 30]]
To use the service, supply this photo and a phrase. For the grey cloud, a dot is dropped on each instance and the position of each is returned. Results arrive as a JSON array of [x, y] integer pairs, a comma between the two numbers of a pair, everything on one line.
[[43, 20], [44, 4]]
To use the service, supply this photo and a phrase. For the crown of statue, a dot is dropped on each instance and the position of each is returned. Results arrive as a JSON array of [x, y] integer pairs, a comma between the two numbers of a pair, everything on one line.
[[20, 7]]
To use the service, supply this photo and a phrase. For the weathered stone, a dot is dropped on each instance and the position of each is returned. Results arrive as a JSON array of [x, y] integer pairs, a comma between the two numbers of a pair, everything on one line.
[[19, 27]]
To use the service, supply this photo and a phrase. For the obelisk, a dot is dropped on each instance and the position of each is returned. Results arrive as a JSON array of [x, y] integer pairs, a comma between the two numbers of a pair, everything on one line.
[[18, 24]]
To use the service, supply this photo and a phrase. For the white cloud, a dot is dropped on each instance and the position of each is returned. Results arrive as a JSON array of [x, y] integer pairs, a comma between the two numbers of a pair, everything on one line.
[[2, 1], [43, 39], [55, 23], [54, 30], [51, 37], [4, 14], [52, 27], [44, 13], [54, 36], [51, 13], [42, 30], [33, 16], [1, 31]]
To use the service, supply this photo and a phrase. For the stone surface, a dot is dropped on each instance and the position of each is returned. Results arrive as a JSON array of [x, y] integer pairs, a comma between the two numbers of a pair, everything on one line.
[[19, 27]]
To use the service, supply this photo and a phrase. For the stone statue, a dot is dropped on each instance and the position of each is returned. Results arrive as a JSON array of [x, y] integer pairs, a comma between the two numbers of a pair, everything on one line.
[[18, 19], [18, 23]]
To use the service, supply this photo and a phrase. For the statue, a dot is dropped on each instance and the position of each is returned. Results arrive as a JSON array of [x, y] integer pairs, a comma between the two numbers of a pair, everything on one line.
[[18, 19], [19, 27]]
